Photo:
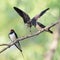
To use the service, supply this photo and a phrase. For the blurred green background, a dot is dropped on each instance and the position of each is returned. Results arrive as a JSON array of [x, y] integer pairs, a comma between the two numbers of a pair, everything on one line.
[[33, 48]]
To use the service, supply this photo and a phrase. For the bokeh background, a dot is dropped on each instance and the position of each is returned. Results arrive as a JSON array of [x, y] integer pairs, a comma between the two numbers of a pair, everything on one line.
[[33, 48]]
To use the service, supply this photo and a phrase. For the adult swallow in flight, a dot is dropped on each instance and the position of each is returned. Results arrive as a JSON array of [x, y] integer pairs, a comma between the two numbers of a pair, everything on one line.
[[33, 21]]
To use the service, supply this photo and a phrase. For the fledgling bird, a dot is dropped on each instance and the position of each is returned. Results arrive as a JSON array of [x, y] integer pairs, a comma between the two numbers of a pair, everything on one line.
[[26, 18], [13, 36]]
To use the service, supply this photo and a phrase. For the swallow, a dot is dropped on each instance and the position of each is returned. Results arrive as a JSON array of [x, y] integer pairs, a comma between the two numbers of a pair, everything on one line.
[[13, 36], [26, 18]]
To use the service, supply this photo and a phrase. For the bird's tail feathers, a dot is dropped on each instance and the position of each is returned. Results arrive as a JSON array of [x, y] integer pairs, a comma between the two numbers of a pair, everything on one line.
[[22, 55], [50, 31]]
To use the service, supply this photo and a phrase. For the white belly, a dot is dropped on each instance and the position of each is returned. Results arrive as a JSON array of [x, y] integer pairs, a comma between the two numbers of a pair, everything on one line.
[[12, 37]]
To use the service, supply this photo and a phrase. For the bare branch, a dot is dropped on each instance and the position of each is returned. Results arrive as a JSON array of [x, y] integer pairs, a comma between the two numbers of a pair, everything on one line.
[[29, 36], [4, 44]]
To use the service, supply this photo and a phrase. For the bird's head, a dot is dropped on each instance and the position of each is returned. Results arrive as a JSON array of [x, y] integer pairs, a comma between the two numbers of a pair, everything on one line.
[[12, 30]]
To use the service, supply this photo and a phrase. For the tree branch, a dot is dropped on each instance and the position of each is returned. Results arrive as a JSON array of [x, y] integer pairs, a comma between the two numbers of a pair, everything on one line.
[[4, 44], [25, 37]]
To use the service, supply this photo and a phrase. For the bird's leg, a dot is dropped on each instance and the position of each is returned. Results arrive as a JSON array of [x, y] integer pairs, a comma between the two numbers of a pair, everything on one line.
[[30, 31]]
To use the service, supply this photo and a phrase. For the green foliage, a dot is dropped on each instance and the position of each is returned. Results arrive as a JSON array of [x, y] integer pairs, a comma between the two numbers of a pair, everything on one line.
[[33, 47]]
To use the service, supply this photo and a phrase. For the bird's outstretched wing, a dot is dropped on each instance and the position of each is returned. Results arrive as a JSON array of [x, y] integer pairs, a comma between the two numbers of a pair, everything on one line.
[[39, 15], [25, 16]]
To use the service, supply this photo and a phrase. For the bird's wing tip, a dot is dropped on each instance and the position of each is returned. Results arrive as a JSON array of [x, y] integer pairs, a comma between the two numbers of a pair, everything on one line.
[[48, 8], [15, 7]]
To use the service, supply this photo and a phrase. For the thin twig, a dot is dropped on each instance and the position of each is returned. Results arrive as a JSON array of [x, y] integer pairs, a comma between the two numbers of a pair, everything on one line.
[[29, 36], [4, 44]]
